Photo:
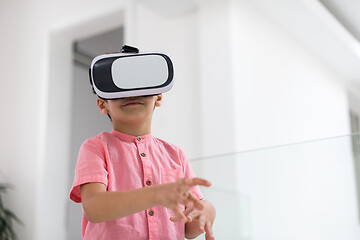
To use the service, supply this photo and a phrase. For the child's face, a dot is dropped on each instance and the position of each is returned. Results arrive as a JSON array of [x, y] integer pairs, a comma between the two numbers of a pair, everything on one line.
[[130, 110]]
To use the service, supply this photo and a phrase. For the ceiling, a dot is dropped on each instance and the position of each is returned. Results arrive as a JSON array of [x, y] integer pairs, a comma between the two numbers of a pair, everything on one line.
[[347, 12]]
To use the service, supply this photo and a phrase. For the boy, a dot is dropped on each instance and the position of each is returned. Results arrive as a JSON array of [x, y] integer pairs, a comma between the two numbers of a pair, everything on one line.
[[133, 185]]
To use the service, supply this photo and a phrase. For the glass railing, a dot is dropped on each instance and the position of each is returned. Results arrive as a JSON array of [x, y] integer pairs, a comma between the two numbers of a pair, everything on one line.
[[308, 190]]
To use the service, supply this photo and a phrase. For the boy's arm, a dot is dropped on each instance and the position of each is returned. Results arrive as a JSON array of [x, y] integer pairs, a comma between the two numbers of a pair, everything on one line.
[[100, 205], [200, 221]]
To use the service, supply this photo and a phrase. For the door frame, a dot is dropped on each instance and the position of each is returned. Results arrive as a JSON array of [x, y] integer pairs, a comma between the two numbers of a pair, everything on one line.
[[53, 180]]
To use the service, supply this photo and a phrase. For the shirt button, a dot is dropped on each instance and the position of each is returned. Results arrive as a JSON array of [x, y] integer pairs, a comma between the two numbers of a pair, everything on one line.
[[148, 182], [139, 139], [143, 154], [151, 213]]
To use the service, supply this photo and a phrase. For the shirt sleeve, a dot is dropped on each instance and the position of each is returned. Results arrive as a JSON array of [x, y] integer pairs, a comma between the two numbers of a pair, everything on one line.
[[189, 173], [90, 167]]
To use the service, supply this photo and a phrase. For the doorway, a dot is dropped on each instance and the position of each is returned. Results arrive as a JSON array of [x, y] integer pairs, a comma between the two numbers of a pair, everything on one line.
[[86, 120], [58, 105]]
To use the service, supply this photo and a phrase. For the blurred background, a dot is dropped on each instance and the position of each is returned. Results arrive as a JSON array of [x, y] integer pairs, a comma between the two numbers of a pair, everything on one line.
[[249, 75]]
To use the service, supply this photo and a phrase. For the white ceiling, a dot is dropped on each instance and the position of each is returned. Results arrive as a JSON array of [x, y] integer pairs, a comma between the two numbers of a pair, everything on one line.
[[347, 12]]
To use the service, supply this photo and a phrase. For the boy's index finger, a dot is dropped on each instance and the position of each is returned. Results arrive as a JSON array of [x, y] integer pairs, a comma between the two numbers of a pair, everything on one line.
[[198, 181]]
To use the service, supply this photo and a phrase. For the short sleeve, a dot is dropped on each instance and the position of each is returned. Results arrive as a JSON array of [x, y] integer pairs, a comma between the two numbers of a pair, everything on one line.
[[189, 173], [90, 167]]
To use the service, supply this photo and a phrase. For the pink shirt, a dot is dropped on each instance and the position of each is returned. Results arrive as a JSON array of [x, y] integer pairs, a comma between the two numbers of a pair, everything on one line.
[[124, 162]]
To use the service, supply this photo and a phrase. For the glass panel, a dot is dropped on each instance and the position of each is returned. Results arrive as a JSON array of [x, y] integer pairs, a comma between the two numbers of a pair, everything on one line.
[[302, 191]]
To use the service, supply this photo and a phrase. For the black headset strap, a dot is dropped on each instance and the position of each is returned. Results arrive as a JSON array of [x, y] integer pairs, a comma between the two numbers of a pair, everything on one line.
[[129, 49]]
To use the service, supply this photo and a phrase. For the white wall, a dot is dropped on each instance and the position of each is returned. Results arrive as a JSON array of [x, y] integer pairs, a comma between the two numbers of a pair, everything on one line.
[[283, 92], [216, 77], [261, 86]]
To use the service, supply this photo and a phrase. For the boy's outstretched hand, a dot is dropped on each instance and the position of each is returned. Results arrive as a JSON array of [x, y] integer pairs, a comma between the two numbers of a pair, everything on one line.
[[173, 195], [198, 215]]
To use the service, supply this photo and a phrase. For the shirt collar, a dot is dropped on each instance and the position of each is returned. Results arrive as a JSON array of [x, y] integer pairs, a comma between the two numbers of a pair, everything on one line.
[[129, 138]]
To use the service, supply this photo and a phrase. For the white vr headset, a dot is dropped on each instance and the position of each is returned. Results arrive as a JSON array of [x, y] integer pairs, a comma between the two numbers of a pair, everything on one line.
[[131, 74]]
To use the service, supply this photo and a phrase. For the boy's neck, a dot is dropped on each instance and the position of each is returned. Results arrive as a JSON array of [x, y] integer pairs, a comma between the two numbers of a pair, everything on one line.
[[133, 130]]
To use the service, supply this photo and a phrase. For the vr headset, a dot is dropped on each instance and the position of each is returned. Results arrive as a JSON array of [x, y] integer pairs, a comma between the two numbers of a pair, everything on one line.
[[131, 74]]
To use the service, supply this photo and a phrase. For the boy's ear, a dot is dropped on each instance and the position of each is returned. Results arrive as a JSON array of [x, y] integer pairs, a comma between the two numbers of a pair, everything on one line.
[[158, 100], [101, 105]]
